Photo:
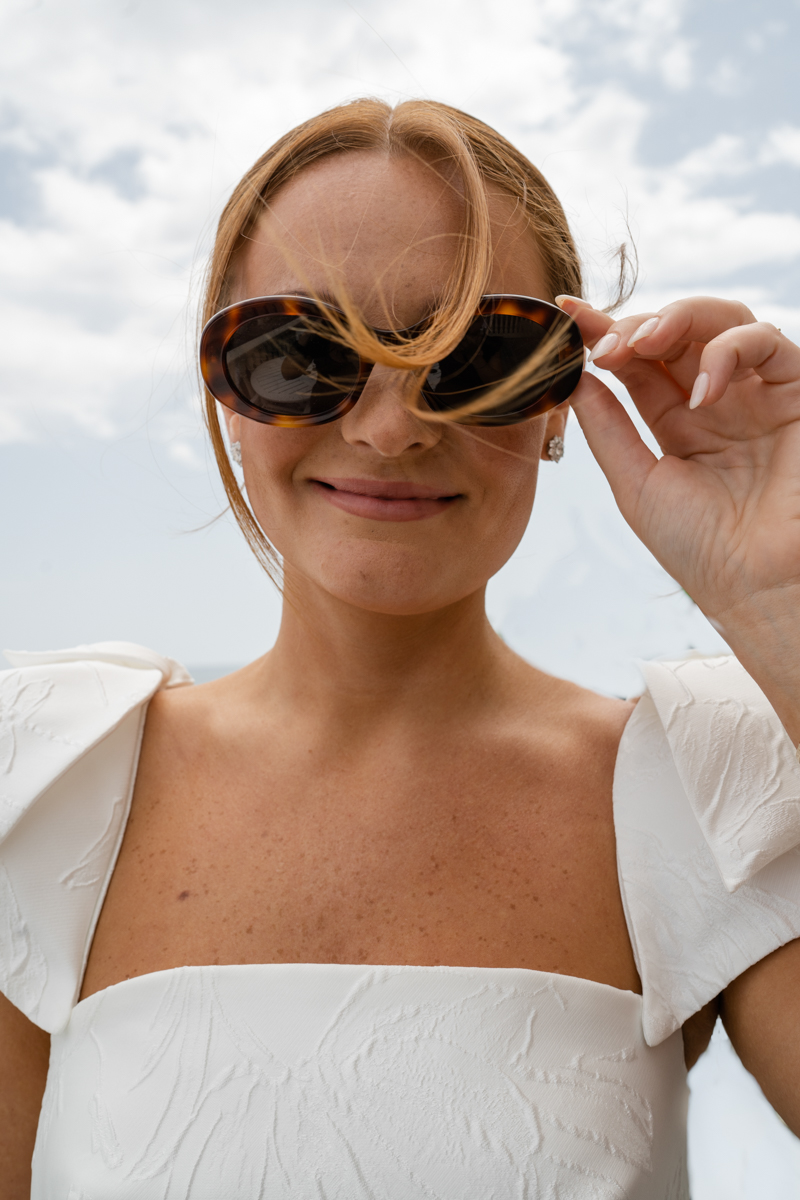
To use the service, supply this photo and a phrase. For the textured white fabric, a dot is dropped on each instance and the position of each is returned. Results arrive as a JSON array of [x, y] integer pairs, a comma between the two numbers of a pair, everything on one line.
[[690, 935], [324, 1082], [123, 654], [69, 742], [334, 1081], [733, 758]]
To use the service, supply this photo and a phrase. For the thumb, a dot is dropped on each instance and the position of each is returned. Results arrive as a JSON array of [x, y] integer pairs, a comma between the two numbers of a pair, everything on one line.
[[614, 440]]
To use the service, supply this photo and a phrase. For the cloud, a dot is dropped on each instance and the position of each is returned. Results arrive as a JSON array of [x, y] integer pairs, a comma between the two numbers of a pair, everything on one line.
[[782, 146], [125, 127]]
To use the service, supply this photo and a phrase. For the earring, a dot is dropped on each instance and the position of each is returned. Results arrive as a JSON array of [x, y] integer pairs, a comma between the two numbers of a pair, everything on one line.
[[555, 449], [236, 453]]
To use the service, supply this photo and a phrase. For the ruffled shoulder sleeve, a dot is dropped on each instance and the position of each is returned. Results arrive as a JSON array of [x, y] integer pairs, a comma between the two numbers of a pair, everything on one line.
[[71, 723], [707, 815]]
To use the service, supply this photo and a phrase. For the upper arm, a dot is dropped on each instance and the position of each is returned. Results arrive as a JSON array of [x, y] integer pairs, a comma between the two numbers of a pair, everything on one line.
[[697, 1032], [761, 1012], [24, 1057]]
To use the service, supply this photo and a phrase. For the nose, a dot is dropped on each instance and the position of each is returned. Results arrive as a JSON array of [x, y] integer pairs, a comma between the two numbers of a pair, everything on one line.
[[382, 421]]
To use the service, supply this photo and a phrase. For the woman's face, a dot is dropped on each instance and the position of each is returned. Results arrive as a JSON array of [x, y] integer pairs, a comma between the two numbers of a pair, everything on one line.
[[380, 509]]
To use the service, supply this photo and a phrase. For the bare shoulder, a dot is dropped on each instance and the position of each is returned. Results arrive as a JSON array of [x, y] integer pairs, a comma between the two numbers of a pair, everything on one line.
[[185, 709], [185, 722], [583, 726], [195, 739], [568, 739], [596, 716]]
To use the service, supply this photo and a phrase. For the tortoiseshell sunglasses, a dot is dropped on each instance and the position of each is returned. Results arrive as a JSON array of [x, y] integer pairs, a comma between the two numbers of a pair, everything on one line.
[[271, 359]]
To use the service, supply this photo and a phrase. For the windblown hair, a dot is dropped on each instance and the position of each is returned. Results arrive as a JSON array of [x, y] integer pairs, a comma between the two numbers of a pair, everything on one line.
[[457, 147]]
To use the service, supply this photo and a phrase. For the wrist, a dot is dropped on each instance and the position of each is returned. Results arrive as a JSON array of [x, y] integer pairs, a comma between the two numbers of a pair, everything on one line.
[[764, 634]]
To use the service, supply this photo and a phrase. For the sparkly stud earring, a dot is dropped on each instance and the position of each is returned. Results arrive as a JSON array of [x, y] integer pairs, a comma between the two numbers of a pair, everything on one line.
[[555, 449], [236, 453]]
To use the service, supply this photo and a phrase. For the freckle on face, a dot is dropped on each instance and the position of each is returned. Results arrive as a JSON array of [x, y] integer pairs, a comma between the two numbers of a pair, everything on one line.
[[396, 222]]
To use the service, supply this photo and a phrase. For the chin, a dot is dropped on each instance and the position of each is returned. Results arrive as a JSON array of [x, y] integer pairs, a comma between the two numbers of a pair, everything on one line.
[[391, 581]]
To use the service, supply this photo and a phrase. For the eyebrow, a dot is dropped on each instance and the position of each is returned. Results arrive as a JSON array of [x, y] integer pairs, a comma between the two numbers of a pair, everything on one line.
[[295, 290], [326, 297]]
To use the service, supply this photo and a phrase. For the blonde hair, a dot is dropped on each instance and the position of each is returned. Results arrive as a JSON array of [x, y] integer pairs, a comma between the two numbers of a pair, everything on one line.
[[451, 143]]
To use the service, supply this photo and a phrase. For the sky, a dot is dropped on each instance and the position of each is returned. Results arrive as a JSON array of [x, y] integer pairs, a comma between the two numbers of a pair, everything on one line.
[[123, 128], [124, 125]]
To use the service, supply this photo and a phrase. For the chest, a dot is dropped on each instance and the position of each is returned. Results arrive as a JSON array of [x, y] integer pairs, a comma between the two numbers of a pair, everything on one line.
[[463, 858]]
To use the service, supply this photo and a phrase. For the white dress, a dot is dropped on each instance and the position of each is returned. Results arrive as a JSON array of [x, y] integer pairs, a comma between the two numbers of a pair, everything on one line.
[[331, 1082]]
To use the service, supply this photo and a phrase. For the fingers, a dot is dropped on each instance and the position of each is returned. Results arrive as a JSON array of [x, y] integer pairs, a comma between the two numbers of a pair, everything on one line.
[[609, 349], [759, 347], [703, 342], [665, 335], [592, 323], [615, 442], [654, 389]]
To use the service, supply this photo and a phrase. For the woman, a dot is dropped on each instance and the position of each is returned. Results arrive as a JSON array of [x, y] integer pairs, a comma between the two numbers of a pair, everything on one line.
[[390, 912]]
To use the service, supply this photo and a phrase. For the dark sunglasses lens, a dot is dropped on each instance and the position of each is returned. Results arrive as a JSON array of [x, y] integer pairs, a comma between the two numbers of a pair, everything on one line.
[[280, 364], [494, 347]]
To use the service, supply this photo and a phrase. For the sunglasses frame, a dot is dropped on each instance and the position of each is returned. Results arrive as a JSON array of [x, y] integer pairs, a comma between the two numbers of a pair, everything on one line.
[[221, 327]]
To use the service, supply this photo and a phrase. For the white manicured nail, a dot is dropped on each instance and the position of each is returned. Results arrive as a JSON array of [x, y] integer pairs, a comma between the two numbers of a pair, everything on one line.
[[574, 299], [605, 344], [644, 330], [700, 389]]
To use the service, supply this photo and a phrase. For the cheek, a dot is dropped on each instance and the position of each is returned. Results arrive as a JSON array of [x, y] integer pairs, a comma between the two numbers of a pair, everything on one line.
[[506, 460], [508, 509], [270, 457], [504, 499]]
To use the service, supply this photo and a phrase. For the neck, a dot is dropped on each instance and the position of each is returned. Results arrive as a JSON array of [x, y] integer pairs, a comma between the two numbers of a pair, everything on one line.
[[334, 658]]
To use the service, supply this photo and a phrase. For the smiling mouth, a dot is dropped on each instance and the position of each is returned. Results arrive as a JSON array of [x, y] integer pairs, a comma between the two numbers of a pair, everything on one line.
[[380, 500]]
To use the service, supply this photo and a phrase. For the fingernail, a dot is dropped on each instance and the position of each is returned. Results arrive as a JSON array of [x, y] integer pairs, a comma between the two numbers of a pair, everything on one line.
[[605, 344], [644, 330], [700, 389], [574, 299]]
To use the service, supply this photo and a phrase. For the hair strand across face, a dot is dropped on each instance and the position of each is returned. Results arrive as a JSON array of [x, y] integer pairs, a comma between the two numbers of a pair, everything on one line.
[[465, 154]]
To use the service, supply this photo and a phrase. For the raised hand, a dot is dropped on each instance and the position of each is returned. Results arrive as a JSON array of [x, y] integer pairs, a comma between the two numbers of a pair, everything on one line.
[[721, 508]]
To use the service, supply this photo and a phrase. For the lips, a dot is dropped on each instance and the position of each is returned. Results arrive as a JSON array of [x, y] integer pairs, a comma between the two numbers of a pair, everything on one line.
[[380, 500]]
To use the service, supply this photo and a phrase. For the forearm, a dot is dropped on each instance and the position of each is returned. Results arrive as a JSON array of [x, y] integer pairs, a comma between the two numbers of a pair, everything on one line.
[[764, 634], [760, 1011]]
